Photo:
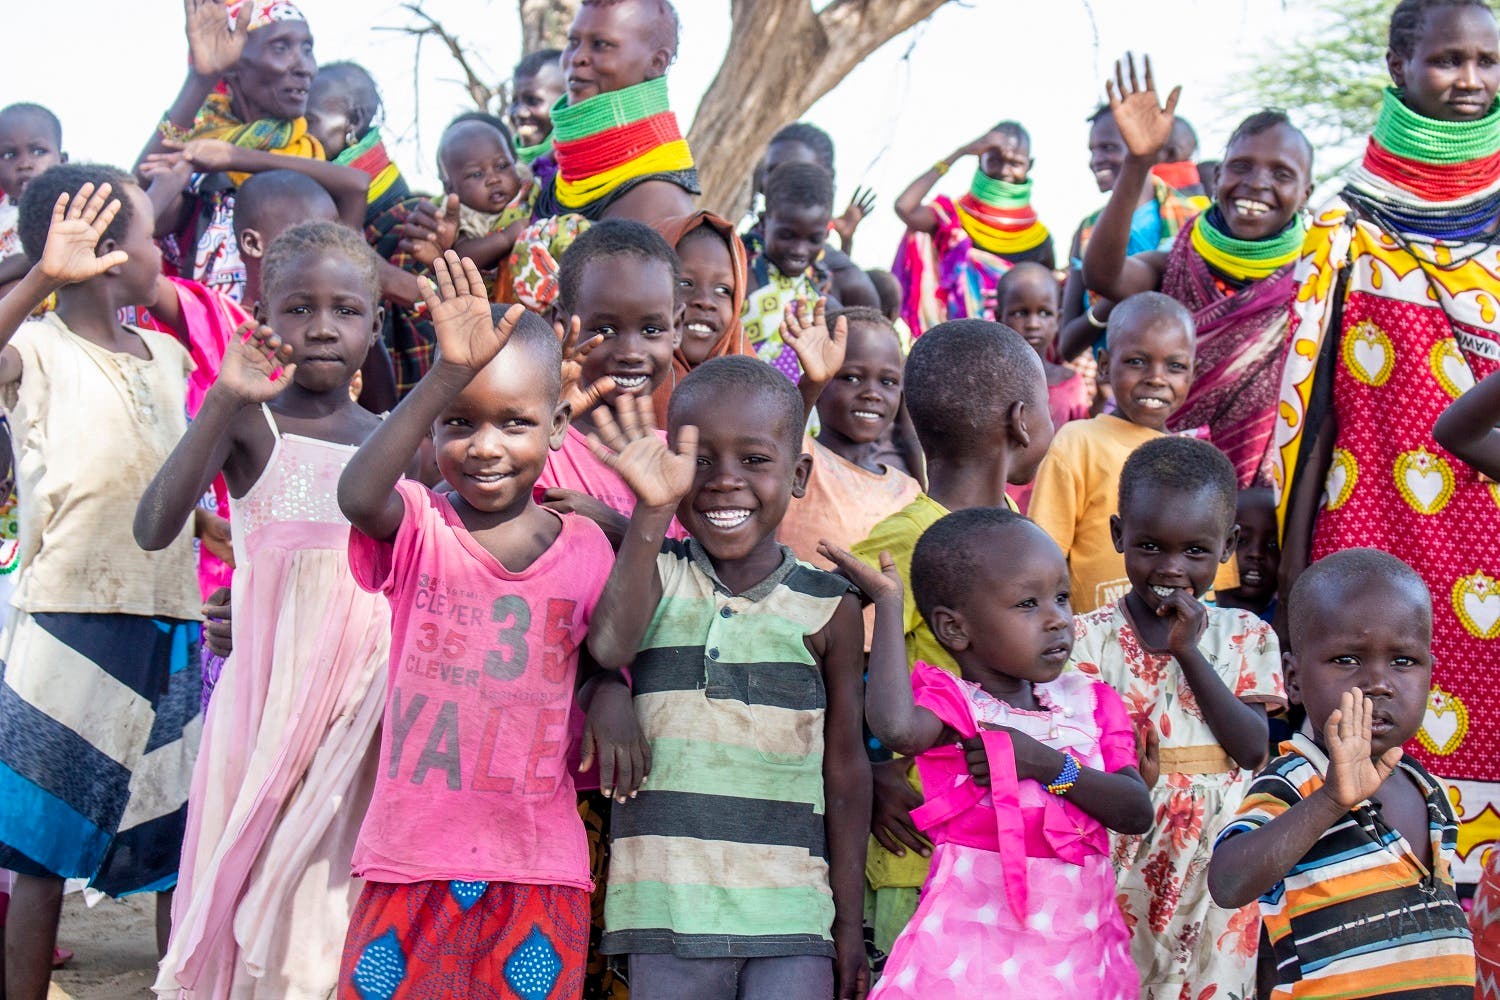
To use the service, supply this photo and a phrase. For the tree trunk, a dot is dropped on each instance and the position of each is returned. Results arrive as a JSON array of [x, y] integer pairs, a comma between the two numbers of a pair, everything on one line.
[[782, 57], [544, 23]]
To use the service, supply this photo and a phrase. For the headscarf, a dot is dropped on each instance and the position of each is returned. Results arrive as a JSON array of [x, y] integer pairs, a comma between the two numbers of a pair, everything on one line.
[[732, 340], [265, 12]]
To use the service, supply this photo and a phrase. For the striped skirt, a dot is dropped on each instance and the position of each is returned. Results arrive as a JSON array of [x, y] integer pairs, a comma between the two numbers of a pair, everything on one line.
[[99, 726]]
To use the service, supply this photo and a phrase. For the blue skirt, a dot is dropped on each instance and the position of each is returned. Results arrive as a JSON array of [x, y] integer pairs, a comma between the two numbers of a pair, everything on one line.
[[99, 725]]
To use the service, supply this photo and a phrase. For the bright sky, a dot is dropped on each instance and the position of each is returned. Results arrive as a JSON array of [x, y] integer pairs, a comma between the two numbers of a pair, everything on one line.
[[926, 92]]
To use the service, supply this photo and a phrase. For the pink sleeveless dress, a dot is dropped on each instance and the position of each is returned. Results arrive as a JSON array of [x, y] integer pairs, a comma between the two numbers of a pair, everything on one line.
[[289, 748], [1020, 900]]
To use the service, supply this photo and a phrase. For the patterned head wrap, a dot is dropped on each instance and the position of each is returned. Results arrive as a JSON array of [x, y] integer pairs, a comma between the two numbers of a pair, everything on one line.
[[265, 12]]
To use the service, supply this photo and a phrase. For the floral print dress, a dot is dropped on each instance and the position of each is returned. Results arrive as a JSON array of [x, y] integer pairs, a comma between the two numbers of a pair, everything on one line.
[[1185, 947]]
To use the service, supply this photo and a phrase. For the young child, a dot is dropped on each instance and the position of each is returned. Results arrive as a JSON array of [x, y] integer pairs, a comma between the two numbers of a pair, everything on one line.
[[1149, 365], [1197, 681], [30, 144], [1257, 554], [343, 113], [1348, 844], [477, 162], [799, 204], [475, 859], [293, 725], [535, 85], [954, 252], [99, 716], [736, 869], [978, 399], [849, 491], [1008, 894], [1028, 300]]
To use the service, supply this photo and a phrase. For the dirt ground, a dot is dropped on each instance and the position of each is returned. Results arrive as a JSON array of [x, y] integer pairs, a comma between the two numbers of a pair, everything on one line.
[[114, 947]]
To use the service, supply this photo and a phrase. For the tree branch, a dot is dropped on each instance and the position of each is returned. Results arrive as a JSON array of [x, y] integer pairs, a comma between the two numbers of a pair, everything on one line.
[[480, 92]]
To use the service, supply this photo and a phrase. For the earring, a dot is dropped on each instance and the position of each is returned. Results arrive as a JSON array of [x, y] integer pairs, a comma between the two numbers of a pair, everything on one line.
[[349, 137]]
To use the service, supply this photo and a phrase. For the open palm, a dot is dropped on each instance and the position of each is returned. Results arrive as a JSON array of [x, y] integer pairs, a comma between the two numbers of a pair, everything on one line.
[[213, 46], [1353, 775], [460, 310], [1144, 124], [78, 224], [257, 365], [819, 350], [657, 475], [579, 397]]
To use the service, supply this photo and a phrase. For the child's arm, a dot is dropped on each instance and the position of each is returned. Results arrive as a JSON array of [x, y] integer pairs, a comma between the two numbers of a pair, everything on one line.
[[659, 478], [1240, 728], [349, 186], [467, 341], [1467, 427], [1246, 865], [895, 718], [489, 250], [820, 352], [1145, 127], [248, 377], [846, 788], [78, 224]]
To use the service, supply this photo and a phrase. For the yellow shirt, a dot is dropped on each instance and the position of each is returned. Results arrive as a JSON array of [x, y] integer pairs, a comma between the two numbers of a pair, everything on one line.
[[1076, 493]]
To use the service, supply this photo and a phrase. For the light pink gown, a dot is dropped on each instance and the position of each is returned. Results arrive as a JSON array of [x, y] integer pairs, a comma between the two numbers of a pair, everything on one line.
[[1020, 901], [289, 748]]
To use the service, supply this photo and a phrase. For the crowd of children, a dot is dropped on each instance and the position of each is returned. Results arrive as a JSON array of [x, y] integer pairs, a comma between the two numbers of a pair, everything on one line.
[[547, 588]]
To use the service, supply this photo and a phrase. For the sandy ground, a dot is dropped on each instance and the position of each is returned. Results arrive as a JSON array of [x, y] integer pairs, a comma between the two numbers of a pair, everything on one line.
[[114, 947]]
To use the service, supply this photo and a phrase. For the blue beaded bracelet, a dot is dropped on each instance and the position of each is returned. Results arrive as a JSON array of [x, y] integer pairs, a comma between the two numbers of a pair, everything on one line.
[[1066, 778]]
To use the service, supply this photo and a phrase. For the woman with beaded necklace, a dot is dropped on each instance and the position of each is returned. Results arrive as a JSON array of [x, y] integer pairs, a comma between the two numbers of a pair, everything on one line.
[[1396, 314], [1232, 266]]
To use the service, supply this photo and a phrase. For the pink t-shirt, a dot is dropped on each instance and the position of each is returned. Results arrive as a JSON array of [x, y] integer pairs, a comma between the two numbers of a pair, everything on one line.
[[473, 781], [574, 467]]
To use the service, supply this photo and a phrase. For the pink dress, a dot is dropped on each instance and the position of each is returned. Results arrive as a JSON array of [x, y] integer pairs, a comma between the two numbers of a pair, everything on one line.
[[1021, 897], [288, 757]]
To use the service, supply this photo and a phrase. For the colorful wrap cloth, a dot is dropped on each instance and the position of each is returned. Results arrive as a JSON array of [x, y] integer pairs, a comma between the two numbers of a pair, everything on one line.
[[215, 120], [264, 12], [1182, 177], [1241, 347], [607, 144], [533, 262], [952, 272], [387, 186], [1390, 326]]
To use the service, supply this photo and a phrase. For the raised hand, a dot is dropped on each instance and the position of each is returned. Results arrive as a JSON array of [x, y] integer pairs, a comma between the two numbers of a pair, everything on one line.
[[1189, 619], [860, 205], [1144, 125], [580, 398], [1353, 775], [257, 366], [877, 586], [820, 352], [460, 309], [658, 476], [78, 224], [214, 46]]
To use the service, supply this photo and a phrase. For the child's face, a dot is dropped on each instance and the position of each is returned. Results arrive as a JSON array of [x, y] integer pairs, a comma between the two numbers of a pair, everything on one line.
[[1171, 542], [795, 235], [1377, 638], [705, 290], [748, 471], [530, 110], [323, 310], [492, 440], [630, 301], [611, 47], [328, 116], [143, 268], [28, 147], [1106, 152], [862, 400], [1008, 159], [1264, 181], [1150, 369], [480, 167], [1259, 551], [1453, 71], [1030, 308], [1017, 621]]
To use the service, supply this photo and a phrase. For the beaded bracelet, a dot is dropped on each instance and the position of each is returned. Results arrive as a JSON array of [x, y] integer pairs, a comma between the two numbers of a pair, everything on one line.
[[1066, 778], [941, 167]]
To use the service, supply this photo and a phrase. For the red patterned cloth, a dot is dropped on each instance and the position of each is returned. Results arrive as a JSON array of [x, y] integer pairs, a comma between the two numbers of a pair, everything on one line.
[[466, 941]]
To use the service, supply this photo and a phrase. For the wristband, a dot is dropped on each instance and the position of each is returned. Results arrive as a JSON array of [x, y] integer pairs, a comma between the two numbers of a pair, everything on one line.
[[1094, 320], [941, 167], [1066, 778]]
